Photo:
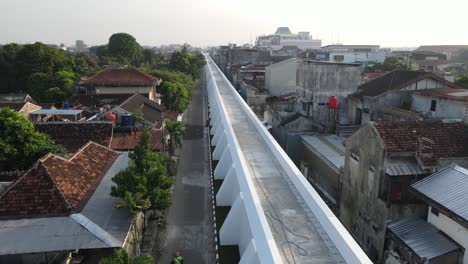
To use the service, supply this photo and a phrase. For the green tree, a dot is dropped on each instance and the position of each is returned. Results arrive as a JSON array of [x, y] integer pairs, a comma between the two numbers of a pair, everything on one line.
[[81, 46], [176, 132], [175, 96], [145, 178], [120, 256], [175, 77], [20, 144], [462, 80], [186, 62], [125, 49], [392, 63]]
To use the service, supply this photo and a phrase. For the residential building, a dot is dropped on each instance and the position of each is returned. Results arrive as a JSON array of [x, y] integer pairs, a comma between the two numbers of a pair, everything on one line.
[[73, 135], [444, 103], [127, 140], [284, 38], [24, 108], [255, 96], [122, 81], [413, 240], [61, 209], [355, 53], [450, 51], [253, 74], [16, 98], [97, 102], [388, 97], [321, 162], [280, 77], [446, 194], [381, 161], [317, 82], [151, 111], [430, 61]]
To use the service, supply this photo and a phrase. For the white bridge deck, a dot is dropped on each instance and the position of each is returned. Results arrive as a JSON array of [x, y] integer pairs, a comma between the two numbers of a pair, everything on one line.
[[300, 226]]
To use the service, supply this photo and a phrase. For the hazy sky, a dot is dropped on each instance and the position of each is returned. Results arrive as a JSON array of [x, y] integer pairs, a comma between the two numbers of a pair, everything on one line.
[[214, 22]]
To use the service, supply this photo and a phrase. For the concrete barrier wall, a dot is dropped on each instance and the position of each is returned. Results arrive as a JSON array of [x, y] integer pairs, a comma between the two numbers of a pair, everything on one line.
[[338, 234], [259, 239]]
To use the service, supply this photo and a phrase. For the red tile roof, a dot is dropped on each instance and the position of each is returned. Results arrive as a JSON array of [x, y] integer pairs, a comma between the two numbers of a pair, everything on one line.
[[127, 141], [171, 115], [120, 77], [449, 139], [57, 186], [73, 135]]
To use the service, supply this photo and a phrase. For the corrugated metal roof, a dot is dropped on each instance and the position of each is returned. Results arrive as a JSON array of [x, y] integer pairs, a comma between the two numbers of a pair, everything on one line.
[[330, 147], [448, 187], [422, 238], [401, 167]]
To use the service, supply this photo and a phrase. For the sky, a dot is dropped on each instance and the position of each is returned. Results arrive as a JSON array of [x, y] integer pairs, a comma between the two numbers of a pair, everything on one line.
[[390, 23]]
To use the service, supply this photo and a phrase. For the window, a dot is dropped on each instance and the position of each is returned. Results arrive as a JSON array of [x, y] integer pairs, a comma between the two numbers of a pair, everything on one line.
[[338, 58], [358, 116], [355, 156], [433, 105]]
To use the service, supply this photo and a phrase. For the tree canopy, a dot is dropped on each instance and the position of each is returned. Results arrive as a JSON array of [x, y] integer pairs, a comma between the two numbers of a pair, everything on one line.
[[187, 62], [36, 68], [120, 256], [144, 183], [392, 63], [20, 144], [462, 80], [125, 49], [175, 96]]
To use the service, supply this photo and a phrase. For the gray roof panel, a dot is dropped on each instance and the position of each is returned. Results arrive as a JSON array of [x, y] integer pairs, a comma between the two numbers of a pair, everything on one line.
[[447, 187], [422, 238]]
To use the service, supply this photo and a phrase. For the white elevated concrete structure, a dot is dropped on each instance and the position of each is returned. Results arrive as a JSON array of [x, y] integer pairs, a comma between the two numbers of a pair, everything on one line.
[[276, 216]]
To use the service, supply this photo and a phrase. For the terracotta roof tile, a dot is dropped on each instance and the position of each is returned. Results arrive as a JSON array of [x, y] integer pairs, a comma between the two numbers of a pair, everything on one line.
[[57, 186], [73, 135], [120, 77], [171, 115], [127, 141], [450, 139]]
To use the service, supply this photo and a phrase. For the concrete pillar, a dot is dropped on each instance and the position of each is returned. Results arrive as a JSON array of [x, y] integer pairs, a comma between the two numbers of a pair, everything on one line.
[[229, 190], [229, 233], [250, 255], [217, 130], [218, 133], [215, 119], [220, 146], [224, 164]]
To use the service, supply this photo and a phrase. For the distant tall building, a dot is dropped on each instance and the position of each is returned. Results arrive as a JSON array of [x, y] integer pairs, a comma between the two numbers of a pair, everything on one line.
[[283, 38]]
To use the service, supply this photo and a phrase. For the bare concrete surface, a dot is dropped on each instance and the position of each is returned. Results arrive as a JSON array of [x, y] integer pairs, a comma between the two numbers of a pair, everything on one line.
[[188, 224], [297, 233]]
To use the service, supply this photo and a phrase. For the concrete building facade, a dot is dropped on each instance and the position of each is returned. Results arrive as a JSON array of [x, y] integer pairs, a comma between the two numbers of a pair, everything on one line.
[[445, 103], [284, 38], [317, 81], [280, 78]]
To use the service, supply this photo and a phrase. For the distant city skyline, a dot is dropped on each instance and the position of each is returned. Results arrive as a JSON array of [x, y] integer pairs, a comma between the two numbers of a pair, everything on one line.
[[216, 22]]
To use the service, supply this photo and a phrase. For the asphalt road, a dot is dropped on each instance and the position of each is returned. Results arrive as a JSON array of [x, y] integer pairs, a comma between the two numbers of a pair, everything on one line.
[[189, 221]]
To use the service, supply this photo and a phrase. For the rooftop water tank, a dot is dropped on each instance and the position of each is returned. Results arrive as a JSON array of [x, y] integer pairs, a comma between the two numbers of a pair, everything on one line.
[[111, 117], [333, 102], [126, 120]]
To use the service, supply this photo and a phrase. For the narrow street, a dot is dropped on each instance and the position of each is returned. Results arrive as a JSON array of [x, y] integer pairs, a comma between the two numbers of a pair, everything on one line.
[[189, 221]]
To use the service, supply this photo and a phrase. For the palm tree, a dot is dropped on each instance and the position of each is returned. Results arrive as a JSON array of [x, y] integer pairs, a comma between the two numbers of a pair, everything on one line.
[[175, 131]]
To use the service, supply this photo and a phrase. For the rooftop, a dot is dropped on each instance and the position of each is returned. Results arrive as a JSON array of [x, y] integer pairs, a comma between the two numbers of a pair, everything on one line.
[[120, 77], [127, 141], [16, 106], [55, 186], [99, 224], [446, 93], [446, 188], [73, 135], [152, 111], [445, 139], [422, 238], [329, 147], [394, 80], [56, 112], [98, 99]]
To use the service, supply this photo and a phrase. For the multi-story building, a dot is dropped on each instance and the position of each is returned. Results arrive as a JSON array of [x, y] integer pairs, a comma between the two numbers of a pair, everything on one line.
[[355, 53], [284, 38], [382, 160]]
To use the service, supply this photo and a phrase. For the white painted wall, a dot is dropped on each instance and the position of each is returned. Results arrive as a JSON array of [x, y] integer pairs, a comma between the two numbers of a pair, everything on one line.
[[350, 57], [122, 90], [280, 78], [453, 229], [445, 108]]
